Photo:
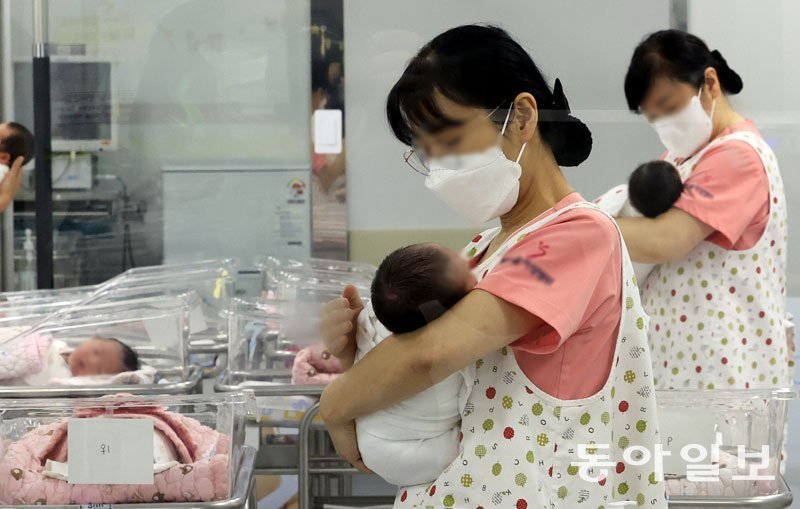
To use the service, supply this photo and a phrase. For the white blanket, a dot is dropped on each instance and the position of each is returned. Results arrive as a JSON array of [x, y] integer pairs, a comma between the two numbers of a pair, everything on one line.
[[414, 441], [615, 202], [144, 376]]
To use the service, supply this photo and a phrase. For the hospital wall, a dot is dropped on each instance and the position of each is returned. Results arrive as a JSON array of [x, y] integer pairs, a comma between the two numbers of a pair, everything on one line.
[[587, 44], [761, 42]]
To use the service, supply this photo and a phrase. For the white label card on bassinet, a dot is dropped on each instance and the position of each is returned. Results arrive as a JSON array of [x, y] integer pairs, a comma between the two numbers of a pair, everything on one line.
[[110, 451]]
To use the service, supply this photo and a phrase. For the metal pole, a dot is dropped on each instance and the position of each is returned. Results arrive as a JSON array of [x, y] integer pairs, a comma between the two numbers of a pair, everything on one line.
[[6, 88], [41, 123], [304, 453]]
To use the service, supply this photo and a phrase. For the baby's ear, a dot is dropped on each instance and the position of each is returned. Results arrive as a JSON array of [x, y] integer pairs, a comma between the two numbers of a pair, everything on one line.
[[5, 158]]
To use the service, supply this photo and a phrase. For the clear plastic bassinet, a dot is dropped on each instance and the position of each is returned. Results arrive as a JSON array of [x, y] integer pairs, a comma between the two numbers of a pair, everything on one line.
[[726, 447], [151, 451], [225, 267], [266, 335], [271, 262], [64, 296], [282, 277], [214, 288], [156, 328]]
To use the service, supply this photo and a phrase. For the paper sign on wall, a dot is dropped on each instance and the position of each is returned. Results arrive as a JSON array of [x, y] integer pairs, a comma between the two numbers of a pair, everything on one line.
[[110, 451], [328, 131], [683, 427]]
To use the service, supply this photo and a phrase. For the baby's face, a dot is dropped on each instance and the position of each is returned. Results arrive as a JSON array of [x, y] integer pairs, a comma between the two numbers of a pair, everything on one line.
[[460, 271], [96, 357]]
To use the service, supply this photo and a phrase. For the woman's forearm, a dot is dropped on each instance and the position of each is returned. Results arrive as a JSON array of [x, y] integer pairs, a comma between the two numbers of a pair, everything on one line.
[[642, 240], [668, 237], [402, 366]]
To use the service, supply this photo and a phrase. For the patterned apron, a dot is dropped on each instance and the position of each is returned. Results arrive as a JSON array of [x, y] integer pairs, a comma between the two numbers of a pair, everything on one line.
[[520, 446], [718, 315]]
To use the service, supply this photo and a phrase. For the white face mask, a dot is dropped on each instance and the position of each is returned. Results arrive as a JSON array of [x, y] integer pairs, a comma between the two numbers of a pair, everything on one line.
[[480, 186], [686, 131]]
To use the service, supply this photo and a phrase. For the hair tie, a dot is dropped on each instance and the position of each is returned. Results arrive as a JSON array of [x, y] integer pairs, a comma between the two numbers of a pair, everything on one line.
[[560, 102], [720, 60]]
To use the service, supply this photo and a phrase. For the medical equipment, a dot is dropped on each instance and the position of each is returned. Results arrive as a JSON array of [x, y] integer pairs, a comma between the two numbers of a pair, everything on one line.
[[209, 449], [84, 110], [156, 328]]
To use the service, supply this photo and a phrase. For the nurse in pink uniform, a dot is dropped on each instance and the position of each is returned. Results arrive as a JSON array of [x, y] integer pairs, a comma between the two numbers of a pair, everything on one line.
[[554, 329], [717, 298]]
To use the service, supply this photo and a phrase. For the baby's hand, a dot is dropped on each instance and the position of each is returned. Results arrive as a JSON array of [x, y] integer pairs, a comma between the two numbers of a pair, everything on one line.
[[338, 325]]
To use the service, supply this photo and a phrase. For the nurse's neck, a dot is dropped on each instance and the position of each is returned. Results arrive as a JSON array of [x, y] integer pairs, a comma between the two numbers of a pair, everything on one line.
[[724, 116], [541, 186]]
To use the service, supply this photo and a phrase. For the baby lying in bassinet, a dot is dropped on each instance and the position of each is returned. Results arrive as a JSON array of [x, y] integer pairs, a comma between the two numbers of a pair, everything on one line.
[[653, 189], [190, 464], [36, 360]]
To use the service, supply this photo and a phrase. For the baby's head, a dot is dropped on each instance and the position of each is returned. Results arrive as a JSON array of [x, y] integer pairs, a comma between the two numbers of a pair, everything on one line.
[[102, 356], [654, 188], [417, 284], [15, 141]]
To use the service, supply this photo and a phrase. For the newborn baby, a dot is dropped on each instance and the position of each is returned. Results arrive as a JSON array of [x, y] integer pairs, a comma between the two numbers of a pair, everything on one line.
[[101, 356], [414, 441], [35, 359], [653, 188]]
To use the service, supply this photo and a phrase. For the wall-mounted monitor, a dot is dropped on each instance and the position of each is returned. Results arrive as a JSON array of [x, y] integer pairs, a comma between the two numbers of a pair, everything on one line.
[[83, 110]]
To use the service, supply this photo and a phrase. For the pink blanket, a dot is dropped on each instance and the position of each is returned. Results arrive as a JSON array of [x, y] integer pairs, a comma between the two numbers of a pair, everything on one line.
[[24, 355], [201, 475], [315, 366]]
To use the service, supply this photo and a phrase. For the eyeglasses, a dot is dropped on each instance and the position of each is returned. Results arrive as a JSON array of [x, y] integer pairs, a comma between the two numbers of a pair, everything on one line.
[[416, 159]]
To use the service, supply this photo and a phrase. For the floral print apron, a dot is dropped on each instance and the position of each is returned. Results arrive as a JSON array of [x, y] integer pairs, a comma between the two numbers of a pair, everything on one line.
[[520, 446]]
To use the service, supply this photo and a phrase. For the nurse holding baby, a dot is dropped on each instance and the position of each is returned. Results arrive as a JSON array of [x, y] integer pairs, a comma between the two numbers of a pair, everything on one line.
[[717, 294], [553, 334]]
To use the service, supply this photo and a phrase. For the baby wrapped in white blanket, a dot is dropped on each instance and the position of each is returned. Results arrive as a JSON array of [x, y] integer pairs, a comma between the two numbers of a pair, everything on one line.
[[414, 441]]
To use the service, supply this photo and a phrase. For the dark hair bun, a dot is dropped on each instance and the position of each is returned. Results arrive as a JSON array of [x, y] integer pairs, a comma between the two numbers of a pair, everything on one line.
[[729, 80], [569, 139]]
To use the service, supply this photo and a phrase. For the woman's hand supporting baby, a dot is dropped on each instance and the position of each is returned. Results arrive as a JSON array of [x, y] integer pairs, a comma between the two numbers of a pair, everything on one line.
[[339, 323]]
